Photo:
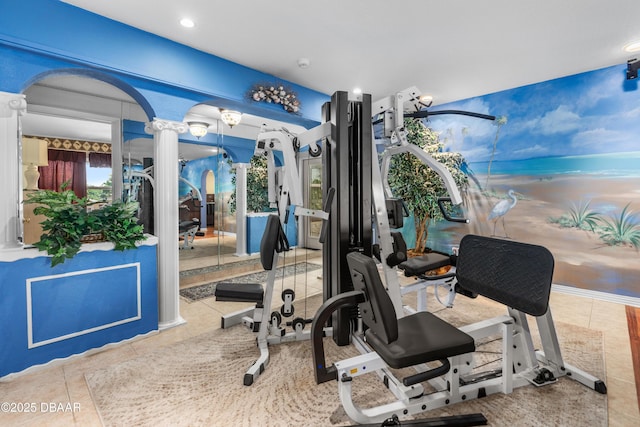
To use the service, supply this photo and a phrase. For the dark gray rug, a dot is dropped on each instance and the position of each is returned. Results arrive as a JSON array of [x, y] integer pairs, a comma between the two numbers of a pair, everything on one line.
[[207, 290]]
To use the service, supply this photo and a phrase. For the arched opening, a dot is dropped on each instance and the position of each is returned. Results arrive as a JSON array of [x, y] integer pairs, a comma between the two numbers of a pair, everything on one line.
[[225, 229], [77, 116]]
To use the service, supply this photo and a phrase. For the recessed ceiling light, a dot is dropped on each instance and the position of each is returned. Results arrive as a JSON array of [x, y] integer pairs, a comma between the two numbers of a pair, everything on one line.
[[187, 23], [632, 47], [304, 63]]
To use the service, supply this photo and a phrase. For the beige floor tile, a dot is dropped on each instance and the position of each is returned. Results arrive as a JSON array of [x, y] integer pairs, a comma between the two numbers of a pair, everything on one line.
[[115, 354], [40, 386], [164, 338], [48, 419], [622, 400], [200, 318]]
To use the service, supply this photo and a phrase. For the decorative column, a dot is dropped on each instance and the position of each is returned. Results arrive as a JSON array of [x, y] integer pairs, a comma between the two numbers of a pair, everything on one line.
[[241, 207], [12, 106], [116, 159], [165, 174]]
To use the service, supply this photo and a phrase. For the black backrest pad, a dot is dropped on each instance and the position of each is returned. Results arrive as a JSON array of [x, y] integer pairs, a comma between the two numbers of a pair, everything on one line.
[[516, 274], [273, 240], [377, 311]]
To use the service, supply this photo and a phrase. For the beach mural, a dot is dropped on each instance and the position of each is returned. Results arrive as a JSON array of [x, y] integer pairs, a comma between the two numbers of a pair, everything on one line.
[[560, 168]]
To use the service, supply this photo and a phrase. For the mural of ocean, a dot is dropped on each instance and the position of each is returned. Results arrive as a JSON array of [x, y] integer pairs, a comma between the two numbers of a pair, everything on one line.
[[609, 164]]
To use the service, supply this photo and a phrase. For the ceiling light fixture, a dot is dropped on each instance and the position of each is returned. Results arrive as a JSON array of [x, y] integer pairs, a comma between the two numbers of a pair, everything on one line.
[[187, 23], [426, 100], [357, 91], [198, 129], [632, 47], [230, 117]]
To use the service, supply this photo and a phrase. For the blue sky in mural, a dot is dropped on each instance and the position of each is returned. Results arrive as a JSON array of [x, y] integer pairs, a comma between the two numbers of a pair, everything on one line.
[[582, 115]]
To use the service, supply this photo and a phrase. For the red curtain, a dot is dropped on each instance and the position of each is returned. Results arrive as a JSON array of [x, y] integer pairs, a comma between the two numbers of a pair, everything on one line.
[[64, 166], [100, 160]]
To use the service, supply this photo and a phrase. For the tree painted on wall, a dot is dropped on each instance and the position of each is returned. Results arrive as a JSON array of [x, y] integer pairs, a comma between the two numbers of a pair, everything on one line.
[[499, 122], [419, 185]]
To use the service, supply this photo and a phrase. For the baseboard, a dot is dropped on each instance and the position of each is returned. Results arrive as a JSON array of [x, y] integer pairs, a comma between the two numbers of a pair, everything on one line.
[[602, 296]]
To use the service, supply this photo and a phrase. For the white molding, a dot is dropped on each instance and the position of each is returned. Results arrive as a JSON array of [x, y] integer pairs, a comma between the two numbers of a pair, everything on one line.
[[602, 296], [30, 281], [15, 254]]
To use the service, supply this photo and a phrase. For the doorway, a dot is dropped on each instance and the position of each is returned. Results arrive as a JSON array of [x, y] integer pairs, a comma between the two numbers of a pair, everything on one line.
[[312, 189]]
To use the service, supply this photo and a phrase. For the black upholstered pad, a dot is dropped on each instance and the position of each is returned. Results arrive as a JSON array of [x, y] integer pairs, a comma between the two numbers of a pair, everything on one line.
[[414, 339], [239, 292], [422, 337], [187, 225], [421, 264], [516, 274], [273, 240]]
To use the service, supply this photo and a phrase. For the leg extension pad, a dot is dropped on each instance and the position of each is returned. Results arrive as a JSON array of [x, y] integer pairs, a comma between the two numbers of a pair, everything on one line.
[[239, 292]]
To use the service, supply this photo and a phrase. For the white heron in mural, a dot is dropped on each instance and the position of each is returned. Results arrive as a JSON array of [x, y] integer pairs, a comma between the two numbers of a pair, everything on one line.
[[501, 209]]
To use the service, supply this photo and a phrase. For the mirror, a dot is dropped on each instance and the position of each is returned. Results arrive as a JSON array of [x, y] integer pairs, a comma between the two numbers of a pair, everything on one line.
[[79, 119]]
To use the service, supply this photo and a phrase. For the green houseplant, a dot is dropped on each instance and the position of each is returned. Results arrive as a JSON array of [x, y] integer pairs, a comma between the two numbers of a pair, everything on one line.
[[68, 221]]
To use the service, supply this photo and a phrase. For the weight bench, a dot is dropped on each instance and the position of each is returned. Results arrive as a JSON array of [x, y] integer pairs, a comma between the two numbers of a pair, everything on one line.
[[273, 242], [188, 230], [516, 274]]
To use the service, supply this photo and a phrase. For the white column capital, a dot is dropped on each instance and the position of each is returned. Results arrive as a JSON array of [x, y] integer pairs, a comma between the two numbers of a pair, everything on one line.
[[10, 102], [160, 125], [240, 165]]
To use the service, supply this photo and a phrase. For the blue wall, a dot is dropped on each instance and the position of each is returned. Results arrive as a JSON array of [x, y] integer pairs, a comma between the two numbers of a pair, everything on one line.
[[94, 299]]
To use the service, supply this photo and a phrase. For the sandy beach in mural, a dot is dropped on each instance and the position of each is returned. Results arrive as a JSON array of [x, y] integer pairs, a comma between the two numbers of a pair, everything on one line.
[[583, 260]]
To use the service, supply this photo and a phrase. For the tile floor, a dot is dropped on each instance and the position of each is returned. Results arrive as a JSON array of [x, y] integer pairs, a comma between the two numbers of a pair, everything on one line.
[[62, 397]]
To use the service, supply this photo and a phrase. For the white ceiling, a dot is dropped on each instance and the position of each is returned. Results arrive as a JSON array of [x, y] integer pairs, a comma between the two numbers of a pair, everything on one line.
[[450, 49]]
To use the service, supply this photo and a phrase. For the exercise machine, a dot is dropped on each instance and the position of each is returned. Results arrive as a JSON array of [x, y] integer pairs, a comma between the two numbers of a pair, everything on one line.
[[285, 194], [419, 338], [360, 217], [391, 113], [366, 309], [187, 229], [190, 228]]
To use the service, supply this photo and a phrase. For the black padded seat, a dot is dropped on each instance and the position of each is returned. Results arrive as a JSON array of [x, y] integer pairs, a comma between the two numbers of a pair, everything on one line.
[[421, 264], [239, 292], [422, 337], [273, 240], [184, 226], [418, 338]]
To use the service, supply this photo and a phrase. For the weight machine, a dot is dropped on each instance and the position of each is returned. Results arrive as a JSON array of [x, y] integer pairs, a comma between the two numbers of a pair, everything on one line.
[[285, 194], [188, 229], [363, 310]]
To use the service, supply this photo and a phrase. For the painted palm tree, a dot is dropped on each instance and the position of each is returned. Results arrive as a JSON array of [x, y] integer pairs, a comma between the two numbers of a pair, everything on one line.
[[501, 209], [499, 122]]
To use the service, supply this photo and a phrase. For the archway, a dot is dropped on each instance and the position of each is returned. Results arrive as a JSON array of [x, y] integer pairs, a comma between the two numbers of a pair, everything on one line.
[[79, 114]]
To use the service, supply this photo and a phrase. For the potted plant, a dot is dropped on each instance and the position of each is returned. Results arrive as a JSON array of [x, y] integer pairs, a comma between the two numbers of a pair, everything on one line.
[[69, 223]]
